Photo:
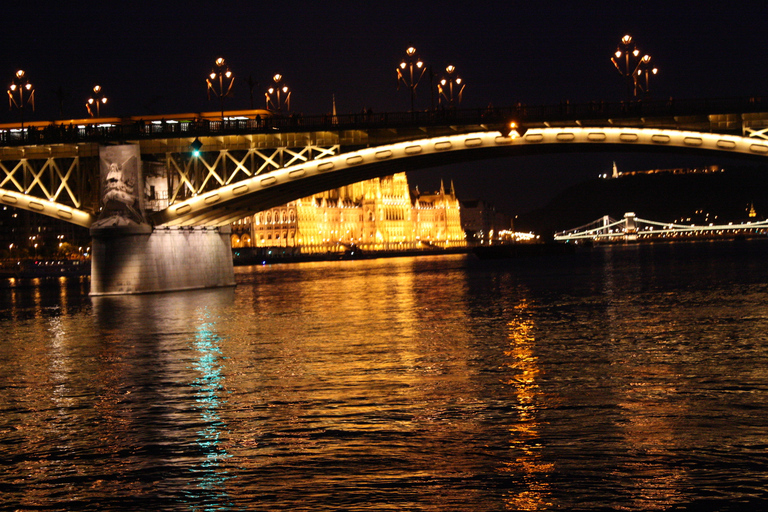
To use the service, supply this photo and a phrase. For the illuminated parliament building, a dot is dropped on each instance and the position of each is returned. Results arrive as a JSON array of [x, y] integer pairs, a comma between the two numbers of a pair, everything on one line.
[[381, 214]]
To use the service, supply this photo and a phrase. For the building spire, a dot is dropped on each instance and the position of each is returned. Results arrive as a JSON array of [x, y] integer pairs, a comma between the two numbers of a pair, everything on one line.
[[615, 171]]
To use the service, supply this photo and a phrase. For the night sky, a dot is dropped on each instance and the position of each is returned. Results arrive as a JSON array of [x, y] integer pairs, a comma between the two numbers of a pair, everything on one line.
[[153, 57]]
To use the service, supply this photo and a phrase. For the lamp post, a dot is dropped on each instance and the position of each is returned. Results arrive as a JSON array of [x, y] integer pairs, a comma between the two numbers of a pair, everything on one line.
[[645, 70], [96, 100], [451, 87], [220, 82], [279, 95], [627, 61], [20, 94], [410, 71]]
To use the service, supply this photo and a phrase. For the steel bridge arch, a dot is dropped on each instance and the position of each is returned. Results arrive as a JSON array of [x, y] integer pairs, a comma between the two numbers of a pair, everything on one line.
[[237, 200], [49, 208]]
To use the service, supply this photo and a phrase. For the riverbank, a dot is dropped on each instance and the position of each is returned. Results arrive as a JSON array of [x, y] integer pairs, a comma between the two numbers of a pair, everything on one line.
[[38, 268], [269, 255]]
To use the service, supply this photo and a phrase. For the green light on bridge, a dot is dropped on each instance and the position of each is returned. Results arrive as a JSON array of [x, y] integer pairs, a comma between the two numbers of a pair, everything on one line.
[[196, 145]]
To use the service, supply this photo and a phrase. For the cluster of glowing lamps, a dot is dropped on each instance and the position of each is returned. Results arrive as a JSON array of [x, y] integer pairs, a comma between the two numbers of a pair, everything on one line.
[[21, 93], [633, 67], [411, 70], [97, 100], [447, 85], [220, 81], [273, 95]]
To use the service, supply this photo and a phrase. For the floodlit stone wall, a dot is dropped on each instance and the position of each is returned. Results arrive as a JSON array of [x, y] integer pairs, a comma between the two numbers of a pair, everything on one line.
[[160, 260]]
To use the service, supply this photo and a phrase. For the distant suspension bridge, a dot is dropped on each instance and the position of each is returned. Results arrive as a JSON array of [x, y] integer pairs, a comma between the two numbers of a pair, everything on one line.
[[607, 229]]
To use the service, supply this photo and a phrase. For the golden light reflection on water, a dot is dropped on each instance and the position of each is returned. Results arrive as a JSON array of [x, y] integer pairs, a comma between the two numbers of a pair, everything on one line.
[[646, 407], [382, 380], [525, 440]]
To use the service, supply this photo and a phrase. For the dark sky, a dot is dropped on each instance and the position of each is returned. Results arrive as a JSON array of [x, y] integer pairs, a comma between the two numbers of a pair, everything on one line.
[[153, 57]]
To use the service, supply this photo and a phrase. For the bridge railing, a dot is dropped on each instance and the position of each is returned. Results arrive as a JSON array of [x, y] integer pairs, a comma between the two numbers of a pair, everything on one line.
[[56, 132]]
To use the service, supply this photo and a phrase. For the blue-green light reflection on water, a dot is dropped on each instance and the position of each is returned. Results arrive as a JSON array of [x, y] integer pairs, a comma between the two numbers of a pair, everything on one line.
[[208, 387]]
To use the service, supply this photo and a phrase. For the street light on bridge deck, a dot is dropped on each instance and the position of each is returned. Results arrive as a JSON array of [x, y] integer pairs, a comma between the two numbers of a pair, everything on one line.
[[646, 70], [630, 65], [410, 72], [96, 100], [220, 82], [275, 92], [20, 94], [516, 130], [446, 87]]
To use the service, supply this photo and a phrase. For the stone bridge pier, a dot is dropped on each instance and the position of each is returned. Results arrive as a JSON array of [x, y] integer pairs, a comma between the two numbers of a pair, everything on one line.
[[147, 260], [129, 256]]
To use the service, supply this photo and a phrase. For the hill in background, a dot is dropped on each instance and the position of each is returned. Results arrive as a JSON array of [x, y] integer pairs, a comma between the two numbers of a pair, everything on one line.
[[719, 197]]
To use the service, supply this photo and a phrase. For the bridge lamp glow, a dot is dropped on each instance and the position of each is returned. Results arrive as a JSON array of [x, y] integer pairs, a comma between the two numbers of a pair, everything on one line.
[[20, 94], [628, 62], [219, 82], [96, 100], [274, 101], [515, 130], [446, 89], [410, 72]]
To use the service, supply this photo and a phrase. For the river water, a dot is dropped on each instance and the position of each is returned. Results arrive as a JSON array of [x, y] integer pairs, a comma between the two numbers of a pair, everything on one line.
[[619, 378]]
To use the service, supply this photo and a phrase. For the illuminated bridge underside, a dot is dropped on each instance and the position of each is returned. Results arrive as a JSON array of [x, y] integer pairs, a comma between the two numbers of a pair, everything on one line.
[[52, 181], [236, 200], [45, 207]]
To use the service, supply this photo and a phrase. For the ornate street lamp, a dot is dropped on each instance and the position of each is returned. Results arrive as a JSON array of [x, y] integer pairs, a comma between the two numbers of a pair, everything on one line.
[[645, 70], [410, 71], [220, 82], [279, 95], [96, 101], [20, 94], [451, 87], [627, 61]]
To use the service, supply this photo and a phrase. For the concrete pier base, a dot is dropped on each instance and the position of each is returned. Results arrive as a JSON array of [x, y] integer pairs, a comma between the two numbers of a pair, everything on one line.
[[142, 259]]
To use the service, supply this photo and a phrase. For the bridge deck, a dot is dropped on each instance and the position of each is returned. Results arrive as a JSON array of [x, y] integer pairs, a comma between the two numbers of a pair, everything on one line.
[[53, 167], [728, 115]]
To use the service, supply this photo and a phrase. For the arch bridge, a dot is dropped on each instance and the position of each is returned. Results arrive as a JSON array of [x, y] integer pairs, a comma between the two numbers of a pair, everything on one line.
[[202, 171]]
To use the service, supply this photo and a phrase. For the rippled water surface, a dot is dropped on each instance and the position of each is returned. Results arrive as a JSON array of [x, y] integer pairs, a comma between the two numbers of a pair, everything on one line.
[[620, 378]]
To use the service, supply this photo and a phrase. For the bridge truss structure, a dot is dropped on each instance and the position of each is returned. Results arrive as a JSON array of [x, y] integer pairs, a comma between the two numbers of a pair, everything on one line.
[[631, 228], [253, 160]]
